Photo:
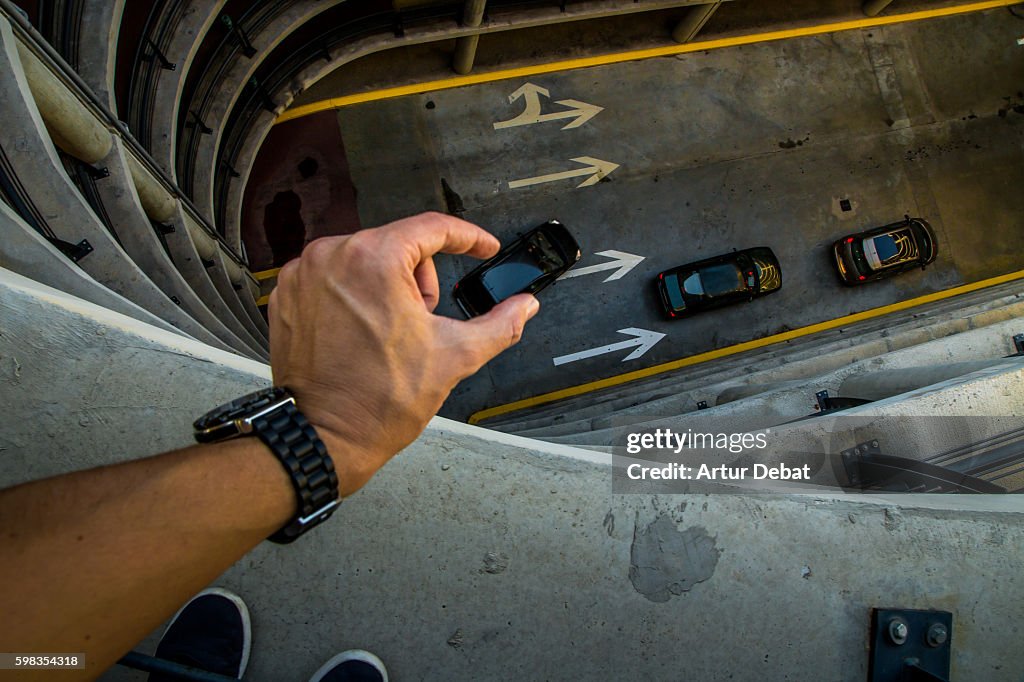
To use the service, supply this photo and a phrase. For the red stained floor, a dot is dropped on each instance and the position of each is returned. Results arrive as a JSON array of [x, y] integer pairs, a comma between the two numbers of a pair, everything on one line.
[[299, 190]]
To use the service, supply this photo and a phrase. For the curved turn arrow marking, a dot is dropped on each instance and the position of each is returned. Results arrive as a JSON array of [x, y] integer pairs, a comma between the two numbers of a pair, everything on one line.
[[580, 111]]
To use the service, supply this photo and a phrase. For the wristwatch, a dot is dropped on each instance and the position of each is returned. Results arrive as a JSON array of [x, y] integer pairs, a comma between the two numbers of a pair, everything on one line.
[[271, 415]]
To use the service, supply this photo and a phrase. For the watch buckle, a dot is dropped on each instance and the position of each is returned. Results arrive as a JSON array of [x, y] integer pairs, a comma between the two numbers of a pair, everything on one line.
[[244, 425]]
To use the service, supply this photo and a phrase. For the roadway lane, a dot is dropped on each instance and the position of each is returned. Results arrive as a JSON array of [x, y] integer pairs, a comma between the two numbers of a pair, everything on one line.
[[739, 147]]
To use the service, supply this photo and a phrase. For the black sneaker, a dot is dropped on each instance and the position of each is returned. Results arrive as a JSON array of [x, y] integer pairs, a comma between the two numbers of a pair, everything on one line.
[[212, 632], [354, 665]]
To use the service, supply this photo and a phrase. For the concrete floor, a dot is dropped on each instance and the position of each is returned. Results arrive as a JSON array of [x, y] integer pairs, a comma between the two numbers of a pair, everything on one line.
[[732, 148]]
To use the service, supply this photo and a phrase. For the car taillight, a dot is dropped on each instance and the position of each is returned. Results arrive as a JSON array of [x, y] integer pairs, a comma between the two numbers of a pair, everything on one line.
[[862, 278], [661, 276], [849, 240], [671, 314]]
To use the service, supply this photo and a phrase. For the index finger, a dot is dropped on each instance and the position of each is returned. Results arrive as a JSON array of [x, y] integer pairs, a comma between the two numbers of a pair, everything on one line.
[[430, 233]]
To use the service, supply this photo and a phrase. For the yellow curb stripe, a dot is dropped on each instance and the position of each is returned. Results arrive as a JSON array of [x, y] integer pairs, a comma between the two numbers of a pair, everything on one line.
[[263, 300], [633, 55], [266, 274], [739, 348]]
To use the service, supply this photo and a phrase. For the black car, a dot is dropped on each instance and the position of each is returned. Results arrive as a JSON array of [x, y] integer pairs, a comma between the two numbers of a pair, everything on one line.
[[884, 251], [715, 282], [527, 265]]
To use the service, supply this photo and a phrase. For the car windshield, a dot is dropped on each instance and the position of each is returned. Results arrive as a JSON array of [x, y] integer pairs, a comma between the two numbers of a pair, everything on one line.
[[521, 267], [718, 280], [675, 296], [890, 249]]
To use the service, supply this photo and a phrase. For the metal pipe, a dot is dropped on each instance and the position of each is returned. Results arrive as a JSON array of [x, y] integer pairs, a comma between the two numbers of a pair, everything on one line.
[[873, 8], [21, 23], [465, 47], [695, 19], [72, 127]]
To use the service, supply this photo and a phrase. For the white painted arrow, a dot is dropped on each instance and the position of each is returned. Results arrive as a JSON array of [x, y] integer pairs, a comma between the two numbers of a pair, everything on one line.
[[624, 262], [596, 168], [644, 341], [581, 111]]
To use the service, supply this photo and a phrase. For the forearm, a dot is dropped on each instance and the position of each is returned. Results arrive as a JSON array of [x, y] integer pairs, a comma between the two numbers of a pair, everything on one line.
[[93, 561]]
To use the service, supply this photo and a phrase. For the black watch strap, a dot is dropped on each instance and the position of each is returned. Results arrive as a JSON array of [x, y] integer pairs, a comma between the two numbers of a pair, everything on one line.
[[295, 442]]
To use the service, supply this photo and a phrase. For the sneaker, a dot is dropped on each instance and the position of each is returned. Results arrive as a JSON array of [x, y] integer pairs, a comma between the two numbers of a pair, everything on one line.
[[212, 632], [354, 665]]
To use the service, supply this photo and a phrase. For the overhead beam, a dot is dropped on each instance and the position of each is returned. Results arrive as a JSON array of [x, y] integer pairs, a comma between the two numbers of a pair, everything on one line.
[[695, 19]]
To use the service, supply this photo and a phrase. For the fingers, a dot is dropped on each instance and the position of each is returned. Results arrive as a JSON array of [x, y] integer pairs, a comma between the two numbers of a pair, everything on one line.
[[430, 233], [426, 280], [484, 337]]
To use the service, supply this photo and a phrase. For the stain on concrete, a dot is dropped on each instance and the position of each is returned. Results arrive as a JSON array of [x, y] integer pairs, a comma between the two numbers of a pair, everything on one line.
[[665, 561], [790, 143], [452, 200], [609, 522], [893, 519], [495, 562]]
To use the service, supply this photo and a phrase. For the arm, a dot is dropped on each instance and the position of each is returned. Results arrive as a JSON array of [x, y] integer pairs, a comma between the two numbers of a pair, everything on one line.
[[95, 560]]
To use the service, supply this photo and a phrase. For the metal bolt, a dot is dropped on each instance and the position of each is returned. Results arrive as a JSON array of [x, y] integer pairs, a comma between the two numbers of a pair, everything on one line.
[[898, 631], [937, 635]]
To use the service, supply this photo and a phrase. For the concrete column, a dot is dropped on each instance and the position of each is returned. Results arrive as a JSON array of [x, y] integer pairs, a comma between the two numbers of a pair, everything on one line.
[[225, 280], [695, 19], [24, 251], [123, 205], [873, 7], [96, 58], [465, 47], [192, 249], [71, 125]]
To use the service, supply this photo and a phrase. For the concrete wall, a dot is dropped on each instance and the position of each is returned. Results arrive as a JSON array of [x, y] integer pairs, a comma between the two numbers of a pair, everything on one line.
[[475, 555]]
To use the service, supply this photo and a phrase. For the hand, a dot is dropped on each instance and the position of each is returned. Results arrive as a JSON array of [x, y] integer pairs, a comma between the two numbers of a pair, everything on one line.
[[354, 337]]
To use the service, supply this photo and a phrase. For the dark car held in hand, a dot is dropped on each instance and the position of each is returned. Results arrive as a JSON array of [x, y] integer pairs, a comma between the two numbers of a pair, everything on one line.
[[884, 251], [736, 277], [527, 265]]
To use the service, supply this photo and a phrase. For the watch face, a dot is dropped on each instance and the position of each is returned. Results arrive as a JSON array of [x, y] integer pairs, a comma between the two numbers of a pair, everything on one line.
[[220, 422]]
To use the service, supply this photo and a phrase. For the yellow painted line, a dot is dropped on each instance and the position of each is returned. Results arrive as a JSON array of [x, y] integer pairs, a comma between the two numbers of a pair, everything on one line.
[[738, 348], [633, 55], [263, 300], [266, 274]]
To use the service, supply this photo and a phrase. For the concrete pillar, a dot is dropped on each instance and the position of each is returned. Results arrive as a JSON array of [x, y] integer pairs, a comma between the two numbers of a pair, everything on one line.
[[465, 47], [227, 278], [139, 239], [192, 249], [890, 382], [872, 8], [71, 125], [96, 58], [159, 204], [24, 251], [695, 19]]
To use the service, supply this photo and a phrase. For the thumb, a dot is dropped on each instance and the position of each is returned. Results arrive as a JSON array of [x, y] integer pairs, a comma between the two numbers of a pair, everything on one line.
[[486, 336]]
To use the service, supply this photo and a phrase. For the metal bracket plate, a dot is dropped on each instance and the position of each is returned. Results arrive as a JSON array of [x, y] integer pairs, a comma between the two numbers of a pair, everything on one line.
[[908, 644]]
